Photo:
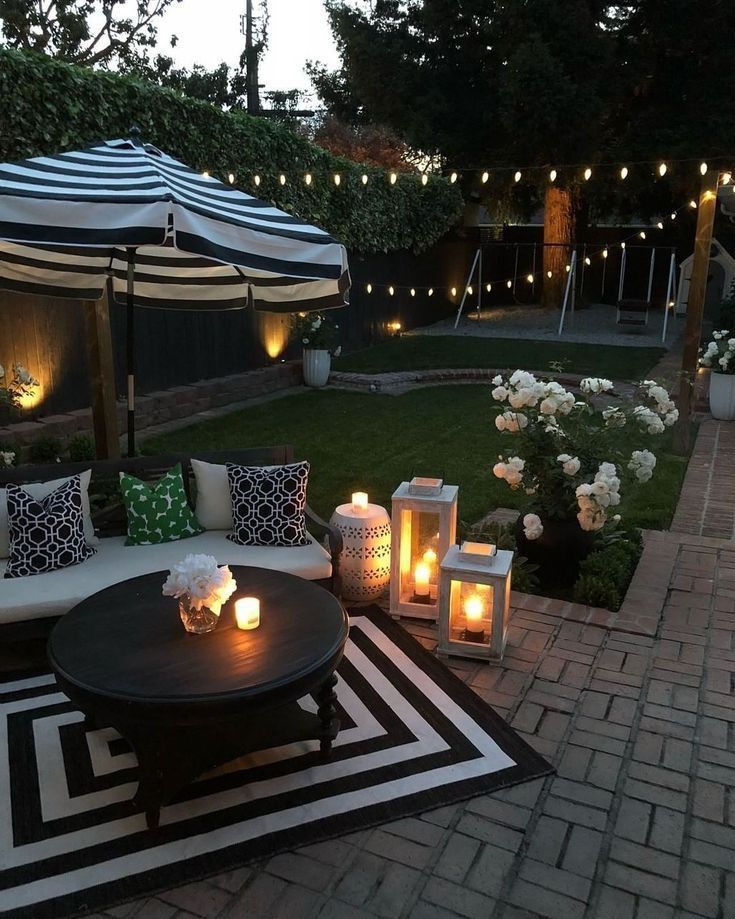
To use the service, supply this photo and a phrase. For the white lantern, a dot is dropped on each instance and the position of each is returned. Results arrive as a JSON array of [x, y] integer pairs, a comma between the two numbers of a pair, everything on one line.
[[474, 601], [365, 560], [424, 523]]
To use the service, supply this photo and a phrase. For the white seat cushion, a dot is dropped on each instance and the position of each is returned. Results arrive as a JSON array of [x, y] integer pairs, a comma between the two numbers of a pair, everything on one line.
[[56, 592]]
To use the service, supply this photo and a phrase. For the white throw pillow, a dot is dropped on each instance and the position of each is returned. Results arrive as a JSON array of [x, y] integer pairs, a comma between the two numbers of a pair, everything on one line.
[[214, 505], [40, 490]]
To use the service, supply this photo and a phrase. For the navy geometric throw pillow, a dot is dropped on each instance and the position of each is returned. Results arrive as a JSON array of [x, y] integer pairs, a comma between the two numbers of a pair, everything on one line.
[[46, 534], [268, 504]]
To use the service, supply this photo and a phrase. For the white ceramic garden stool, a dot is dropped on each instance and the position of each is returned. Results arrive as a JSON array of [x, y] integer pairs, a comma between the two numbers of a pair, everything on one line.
[[365, 560]]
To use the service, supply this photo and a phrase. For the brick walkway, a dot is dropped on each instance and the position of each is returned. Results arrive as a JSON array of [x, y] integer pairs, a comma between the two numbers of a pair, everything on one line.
[[637, 715]]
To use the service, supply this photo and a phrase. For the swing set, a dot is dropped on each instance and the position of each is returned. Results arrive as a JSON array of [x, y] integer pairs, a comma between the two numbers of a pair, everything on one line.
[[629, 311]]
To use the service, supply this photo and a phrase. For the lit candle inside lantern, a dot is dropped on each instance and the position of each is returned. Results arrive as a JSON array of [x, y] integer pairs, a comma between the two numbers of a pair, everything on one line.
[[247, 612], [473, 610], [359, 501], [430, 559], [421, 577]]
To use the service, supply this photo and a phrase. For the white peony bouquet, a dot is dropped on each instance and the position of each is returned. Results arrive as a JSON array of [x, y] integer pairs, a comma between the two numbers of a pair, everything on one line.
[[720, 352], [566, 444], [200, 578]]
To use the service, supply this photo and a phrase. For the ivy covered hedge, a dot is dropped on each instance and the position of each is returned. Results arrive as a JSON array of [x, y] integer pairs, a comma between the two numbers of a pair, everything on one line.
[[47, 106]]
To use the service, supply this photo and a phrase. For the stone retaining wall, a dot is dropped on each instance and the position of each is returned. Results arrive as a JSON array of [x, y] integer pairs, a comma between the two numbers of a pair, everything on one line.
[[159, 407]]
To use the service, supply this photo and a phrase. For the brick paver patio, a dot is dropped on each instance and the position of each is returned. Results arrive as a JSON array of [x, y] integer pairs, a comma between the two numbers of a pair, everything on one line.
[[635, 711]]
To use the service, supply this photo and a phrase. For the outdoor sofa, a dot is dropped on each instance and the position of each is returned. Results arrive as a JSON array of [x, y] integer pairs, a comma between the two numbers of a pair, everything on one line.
[[30, 605]]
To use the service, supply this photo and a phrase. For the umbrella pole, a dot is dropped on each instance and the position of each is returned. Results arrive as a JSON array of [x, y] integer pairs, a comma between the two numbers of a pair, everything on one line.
[[130, 345]]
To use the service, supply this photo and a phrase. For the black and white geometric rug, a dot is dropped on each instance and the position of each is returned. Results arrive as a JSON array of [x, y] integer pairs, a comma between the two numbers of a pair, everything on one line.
[[413, 737]]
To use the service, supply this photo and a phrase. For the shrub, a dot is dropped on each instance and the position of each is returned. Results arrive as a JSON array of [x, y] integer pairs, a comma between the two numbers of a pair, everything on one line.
[[81, 447], [605, 574], [45, 450], [64, 107]]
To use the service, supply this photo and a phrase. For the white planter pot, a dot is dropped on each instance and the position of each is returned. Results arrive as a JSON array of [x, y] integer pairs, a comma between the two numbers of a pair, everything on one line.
[[317, 364], [722, 396]]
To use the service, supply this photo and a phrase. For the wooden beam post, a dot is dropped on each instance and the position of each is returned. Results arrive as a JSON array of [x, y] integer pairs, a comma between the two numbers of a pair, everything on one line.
[[102, 378], [695, 305]]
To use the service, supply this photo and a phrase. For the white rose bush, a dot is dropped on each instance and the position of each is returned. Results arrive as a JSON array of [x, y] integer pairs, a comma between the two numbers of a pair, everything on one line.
[[566, 452], [719, 354], [316, 331], [21, 383]]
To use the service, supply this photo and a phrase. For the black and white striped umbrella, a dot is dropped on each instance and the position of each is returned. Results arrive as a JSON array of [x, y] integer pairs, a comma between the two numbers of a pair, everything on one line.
[[162, 235], [70, 221]]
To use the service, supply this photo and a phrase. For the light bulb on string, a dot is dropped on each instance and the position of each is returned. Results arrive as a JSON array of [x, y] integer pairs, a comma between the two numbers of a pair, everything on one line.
[[662, 169], [469, 290], [413, 291], [529, 278], [588, 260], [624, 173], [673, 215], [453, 178], [509, 284], [485, 176], [726, 178], [587, 174], [307, 178], [693, 204], [282, 179], [549, 274], [517, 176], [622, 244], [391, 290], [454, 291], [431, 292], [364, 179], [231, 179], [488, 288], [256, 180], [337, 178], [552, 175], [702, 168], [205, 174], [642, 234], [660, 225], [369, 288], [568, 267], [424, 179], [604, 252], [393, 178]]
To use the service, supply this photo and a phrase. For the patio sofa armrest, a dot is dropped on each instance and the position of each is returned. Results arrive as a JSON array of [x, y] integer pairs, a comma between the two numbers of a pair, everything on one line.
[[320, 528]]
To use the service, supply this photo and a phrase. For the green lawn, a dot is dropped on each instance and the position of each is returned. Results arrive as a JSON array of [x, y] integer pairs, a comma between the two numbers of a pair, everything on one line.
[[368, 442], [423, 352]]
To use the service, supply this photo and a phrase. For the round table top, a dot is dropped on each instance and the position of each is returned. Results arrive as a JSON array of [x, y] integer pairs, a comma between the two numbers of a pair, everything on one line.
[[366, 515], [128, 643]]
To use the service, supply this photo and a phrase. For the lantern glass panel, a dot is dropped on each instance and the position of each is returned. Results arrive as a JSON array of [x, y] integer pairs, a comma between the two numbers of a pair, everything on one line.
[[419, 556], [470, 612]]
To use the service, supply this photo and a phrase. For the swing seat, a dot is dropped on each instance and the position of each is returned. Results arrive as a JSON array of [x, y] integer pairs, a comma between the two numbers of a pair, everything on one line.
[[633, 312]]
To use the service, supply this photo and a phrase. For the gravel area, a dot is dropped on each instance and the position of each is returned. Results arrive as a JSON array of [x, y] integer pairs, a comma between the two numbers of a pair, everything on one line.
[[594, 325]]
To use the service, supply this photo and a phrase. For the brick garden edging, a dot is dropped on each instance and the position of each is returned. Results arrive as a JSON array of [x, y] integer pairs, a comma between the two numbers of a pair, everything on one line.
[[166, 405]]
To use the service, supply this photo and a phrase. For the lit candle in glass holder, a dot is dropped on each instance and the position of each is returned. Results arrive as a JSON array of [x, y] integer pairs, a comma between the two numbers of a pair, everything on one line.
[[421, 589], [247, 612], [474, 610], [359, 501]]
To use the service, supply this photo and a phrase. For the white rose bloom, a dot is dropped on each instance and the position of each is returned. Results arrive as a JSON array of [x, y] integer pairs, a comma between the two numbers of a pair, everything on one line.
[[497, 381], [7, 457], [500, 394], [517, 399], [723, 362], [532, 526], [730, 345], [583, 490], [500, 422], [513, 477], [572, 466], [717, 335], [607, 469], [600, 488], [515, 462], [614, 498], [549, 406], [499, 470], [23, 375], [643, 474], [563, 458]]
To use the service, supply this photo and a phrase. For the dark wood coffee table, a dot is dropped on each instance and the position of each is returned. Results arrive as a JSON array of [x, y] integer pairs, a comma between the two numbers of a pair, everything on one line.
[[188, 703]]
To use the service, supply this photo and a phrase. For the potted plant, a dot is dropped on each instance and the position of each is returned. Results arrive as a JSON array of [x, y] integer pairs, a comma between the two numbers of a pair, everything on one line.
[[568, 461], [318, 334], [720, 356]]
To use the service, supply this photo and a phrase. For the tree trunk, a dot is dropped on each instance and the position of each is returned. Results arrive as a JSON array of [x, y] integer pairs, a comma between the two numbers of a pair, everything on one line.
[[559, 225]]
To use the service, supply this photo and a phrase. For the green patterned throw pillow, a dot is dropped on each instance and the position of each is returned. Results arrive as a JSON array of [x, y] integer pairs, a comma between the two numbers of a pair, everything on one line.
[[159, 513]]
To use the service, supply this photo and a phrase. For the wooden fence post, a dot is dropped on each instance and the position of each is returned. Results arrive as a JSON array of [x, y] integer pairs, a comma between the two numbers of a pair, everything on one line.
[[695, 305], [102, 378]]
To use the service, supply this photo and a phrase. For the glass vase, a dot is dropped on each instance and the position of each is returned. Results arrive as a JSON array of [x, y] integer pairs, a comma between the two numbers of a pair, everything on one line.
[[197, 621]]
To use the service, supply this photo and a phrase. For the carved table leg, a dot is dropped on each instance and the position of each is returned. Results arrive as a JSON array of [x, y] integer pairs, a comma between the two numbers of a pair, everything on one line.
[[326, 697]]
